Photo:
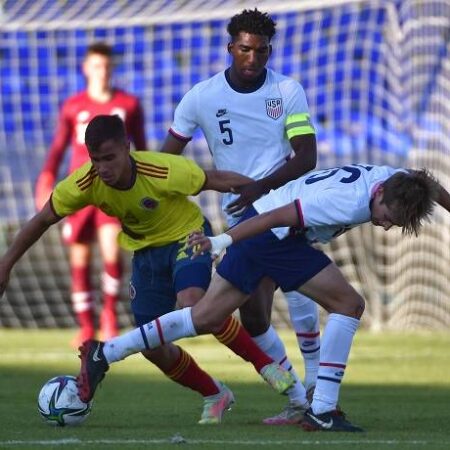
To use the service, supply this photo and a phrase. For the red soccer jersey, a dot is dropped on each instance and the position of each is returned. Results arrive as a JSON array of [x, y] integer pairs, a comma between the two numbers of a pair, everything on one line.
[[77, 111]]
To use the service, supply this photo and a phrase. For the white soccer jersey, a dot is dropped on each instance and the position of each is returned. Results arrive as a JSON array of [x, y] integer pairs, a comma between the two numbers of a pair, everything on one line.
[[329, 201], [247, 133]]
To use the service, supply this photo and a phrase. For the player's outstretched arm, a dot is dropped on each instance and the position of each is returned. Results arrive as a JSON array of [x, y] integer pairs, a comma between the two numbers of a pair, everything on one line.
[[44, 188], [285, 216], [26, 237], [224, 181]]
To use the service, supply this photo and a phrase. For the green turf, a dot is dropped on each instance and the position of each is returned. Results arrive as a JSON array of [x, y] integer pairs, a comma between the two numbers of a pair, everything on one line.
[[397, 387]]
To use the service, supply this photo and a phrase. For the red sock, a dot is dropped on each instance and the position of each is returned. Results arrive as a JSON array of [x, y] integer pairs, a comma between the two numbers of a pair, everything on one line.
[[86, 319], [80, 279], [87, 331], [187, 373], [237, 339], [82, 297], [111, 285], [109, 303]]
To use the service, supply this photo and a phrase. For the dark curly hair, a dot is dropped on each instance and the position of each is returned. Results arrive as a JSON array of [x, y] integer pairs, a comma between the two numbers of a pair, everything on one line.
[[411, 196], [252, 22]]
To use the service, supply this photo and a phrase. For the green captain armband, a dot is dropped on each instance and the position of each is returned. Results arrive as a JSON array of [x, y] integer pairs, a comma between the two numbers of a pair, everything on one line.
[[298, 124]]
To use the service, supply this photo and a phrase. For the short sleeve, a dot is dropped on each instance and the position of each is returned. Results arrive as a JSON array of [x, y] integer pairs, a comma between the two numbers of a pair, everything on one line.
[[186, 177], [67, 198], [185, 119], [298, 120]]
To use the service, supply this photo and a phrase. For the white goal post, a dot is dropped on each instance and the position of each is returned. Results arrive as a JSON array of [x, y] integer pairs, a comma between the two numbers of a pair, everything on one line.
[[377, 77]]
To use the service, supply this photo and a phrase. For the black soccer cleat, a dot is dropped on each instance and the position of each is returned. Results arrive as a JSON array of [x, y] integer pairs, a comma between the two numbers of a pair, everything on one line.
[[328, 421], [93, 368]]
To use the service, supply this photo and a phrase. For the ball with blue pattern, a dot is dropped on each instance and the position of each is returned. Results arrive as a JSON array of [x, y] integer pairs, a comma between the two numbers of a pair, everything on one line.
[[59, 403]]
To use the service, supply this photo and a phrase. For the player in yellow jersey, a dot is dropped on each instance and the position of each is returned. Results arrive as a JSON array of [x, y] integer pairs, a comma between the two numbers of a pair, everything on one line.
[[147, 192]]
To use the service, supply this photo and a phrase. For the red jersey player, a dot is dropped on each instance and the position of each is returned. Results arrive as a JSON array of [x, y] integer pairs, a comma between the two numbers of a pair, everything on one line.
[[80, 230]]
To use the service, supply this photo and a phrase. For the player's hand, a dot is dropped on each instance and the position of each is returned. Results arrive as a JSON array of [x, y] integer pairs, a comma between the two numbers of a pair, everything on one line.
[[199, 243], [214, 244], [248, 194], [44, 187]]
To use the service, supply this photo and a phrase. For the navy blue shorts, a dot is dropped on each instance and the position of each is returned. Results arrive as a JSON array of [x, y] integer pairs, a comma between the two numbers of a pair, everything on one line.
[[289, 262], [159, 273]]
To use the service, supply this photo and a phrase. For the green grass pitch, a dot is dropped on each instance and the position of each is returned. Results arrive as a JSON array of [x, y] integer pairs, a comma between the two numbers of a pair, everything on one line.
[[397, 387]]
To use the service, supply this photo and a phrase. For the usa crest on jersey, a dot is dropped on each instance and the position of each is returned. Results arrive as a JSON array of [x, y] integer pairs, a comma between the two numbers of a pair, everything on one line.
[[274, 107]]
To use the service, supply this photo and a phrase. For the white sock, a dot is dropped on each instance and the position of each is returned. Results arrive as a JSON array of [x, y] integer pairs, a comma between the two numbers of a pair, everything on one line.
[[270, 343], [336, 343], [305, 321], [167, 328]]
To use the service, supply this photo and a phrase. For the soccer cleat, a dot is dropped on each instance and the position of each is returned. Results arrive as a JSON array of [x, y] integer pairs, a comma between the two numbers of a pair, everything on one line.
[[328, 421], [280, 380], [310, 395], [292, 414], [215, 405], [93, 368]]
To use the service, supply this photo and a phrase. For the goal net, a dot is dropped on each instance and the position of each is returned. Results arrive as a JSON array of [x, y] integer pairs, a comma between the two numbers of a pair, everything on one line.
[[376, 74]]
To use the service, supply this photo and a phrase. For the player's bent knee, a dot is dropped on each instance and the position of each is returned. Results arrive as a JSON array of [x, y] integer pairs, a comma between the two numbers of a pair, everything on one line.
[[355, 307], [350, 306]]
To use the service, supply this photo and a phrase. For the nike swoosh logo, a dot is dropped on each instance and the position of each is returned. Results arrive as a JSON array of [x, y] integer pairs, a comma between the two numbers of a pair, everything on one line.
[[326, 425], [95, 355]]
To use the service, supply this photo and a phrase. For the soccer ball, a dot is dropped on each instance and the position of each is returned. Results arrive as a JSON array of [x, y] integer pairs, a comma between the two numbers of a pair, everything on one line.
[[59, 403]]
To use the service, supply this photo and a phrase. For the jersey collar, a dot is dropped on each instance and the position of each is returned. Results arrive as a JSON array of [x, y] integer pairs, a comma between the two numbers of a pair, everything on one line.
[[258, 83]]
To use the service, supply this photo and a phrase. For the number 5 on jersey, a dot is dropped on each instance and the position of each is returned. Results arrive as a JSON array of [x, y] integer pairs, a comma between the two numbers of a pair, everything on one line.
[[225, 129]]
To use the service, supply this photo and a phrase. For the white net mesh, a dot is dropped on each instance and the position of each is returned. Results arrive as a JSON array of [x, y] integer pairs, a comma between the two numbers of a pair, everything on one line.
[[376, 74]]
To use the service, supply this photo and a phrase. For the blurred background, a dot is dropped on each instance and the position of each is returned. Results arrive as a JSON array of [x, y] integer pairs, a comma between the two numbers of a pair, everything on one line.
[[377, 77]]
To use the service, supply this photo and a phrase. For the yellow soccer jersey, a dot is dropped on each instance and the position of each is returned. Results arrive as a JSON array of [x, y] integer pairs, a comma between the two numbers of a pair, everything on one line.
[[155, 211]]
